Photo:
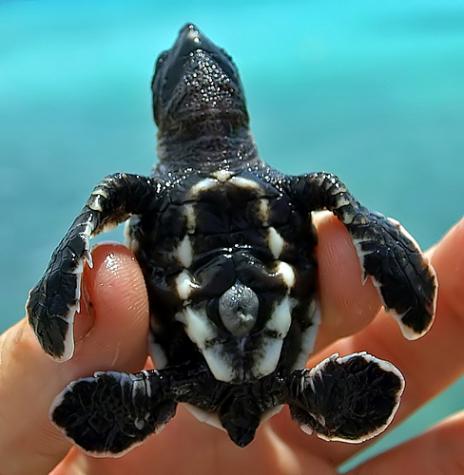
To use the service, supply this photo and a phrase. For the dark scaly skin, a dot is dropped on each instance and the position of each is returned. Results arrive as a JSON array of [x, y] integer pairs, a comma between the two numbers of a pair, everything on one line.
[[229, 243], [117, 196], [203, 129]]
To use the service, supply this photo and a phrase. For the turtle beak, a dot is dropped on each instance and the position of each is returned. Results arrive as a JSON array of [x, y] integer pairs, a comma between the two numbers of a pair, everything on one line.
[[191, 39], [192, 65]]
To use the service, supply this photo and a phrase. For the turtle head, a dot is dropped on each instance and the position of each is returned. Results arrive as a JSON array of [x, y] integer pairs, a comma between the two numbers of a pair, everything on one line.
[[195, 84]]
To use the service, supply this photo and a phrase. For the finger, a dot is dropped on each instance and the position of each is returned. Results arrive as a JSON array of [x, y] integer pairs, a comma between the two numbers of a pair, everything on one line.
[[346, 304], [204, 450], [437, 451], [111, 333], [429, 365]]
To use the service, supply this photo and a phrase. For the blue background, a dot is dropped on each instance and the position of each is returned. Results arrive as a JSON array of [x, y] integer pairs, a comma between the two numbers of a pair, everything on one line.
[[372, 91]]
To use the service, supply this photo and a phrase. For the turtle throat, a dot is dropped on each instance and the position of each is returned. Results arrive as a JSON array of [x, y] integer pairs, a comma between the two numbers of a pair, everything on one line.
[[208, 152]]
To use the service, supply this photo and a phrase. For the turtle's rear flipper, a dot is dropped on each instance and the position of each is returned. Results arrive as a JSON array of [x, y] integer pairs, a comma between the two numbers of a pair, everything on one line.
[[111, 412], [349, 399], [54, 300], [388, 254]]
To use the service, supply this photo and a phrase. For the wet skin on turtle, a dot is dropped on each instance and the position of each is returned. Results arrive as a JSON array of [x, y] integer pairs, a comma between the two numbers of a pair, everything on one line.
[[227, 249]]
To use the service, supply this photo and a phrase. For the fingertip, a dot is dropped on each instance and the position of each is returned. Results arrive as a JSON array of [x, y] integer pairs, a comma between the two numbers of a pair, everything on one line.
[[347, 303], [447, 259], [29, 378], [111, 331], [115, 301], [439, 450]]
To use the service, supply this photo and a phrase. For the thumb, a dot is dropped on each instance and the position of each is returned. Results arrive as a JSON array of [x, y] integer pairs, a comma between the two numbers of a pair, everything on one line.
[[110, 332]]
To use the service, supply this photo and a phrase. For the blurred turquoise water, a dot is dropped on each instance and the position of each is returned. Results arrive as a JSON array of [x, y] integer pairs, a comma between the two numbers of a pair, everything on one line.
[[371, 91]]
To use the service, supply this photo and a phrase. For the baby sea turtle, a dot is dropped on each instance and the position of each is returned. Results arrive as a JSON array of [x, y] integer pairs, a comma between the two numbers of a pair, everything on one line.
[[227, 248]]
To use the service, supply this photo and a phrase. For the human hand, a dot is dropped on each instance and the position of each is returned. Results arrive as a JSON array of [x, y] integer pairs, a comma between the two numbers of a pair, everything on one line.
[[111, 333]]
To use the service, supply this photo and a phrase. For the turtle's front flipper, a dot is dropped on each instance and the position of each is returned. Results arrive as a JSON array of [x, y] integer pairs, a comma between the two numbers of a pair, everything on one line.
[[54, 300], [349, 399], [111, 412], [387, 252]]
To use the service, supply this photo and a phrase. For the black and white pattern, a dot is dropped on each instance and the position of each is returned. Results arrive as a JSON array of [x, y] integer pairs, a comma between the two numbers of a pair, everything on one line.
[[235, 275], [53, 302], [346, 399], [227, 248], [111, 412], [387, 252]]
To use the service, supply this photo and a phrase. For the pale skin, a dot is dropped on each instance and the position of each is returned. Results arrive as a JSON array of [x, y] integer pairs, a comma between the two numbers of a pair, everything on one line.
[[111, 333]]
